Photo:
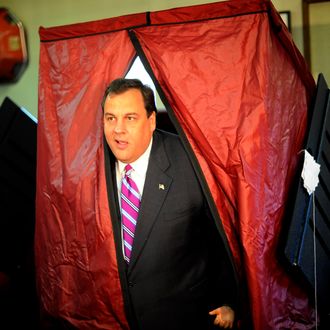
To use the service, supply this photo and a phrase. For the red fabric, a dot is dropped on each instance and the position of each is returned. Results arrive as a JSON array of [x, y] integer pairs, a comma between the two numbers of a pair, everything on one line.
[[75, 254], [208, 11], [239, 89], [242, 103]]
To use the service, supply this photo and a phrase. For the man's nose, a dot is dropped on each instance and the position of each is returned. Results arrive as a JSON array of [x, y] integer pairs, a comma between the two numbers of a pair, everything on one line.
[[120, 126]]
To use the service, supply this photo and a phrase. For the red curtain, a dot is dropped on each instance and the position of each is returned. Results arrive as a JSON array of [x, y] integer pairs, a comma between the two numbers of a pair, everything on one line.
[[241, 102], [75, 253], [238, 88]]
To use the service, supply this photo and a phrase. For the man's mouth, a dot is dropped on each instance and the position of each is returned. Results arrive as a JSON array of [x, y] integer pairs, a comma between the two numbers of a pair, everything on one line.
[[121, 144]]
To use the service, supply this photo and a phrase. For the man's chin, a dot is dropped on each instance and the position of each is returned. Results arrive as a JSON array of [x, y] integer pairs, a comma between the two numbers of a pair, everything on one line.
[[121, 156]]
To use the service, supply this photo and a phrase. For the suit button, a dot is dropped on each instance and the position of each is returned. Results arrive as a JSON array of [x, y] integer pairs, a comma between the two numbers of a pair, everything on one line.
[[130, 284]]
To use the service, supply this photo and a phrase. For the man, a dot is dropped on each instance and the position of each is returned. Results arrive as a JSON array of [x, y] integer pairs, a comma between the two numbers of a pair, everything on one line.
[[168, 249]]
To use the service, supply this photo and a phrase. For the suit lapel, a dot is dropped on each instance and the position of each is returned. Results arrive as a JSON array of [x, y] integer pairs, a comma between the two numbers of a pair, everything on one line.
[[156, 186]]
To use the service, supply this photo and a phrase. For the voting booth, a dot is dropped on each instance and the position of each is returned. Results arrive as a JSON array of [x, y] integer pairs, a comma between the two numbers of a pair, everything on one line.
[[238, 92]]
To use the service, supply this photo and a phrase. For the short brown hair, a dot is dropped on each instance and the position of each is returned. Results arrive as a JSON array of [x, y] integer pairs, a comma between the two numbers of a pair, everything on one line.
[[122, 85]]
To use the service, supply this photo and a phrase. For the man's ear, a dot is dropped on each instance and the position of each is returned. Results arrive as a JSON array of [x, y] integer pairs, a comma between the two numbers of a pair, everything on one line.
[[153, 118]]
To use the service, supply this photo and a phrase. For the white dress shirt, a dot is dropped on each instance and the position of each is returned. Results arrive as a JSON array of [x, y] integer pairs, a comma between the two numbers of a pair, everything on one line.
[[139, 172]]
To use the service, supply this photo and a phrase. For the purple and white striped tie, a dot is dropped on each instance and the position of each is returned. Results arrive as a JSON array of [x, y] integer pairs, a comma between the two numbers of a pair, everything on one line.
[[130, 205]]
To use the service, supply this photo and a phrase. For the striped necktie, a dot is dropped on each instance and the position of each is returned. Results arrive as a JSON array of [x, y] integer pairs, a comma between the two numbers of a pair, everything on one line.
[[130, 205]]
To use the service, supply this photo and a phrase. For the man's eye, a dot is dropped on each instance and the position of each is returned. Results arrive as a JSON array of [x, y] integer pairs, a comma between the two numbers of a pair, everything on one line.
[[110, 118], [131, 118]]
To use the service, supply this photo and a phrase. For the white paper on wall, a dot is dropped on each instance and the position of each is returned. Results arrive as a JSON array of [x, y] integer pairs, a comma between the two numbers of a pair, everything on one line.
[[310, 173]]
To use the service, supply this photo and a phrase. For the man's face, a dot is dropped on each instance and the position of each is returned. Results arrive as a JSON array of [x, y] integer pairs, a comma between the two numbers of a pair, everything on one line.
[[127, 128]]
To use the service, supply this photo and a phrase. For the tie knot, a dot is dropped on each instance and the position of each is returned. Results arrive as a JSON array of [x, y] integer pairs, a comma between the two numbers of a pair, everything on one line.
[[128, 169]]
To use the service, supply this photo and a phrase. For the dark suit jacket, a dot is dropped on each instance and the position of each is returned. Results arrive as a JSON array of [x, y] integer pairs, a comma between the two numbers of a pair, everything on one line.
[[171, 282]]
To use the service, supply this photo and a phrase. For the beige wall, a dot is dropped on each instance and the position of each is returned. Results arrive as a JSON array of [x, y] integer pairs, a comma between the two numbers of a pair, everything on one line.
[[319, 16], [35, 13]]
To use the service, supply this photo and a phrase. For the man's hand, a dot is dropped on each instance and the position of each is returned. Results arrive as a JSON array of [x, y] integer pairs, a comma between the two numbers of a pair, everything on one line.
[[224, 317]]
